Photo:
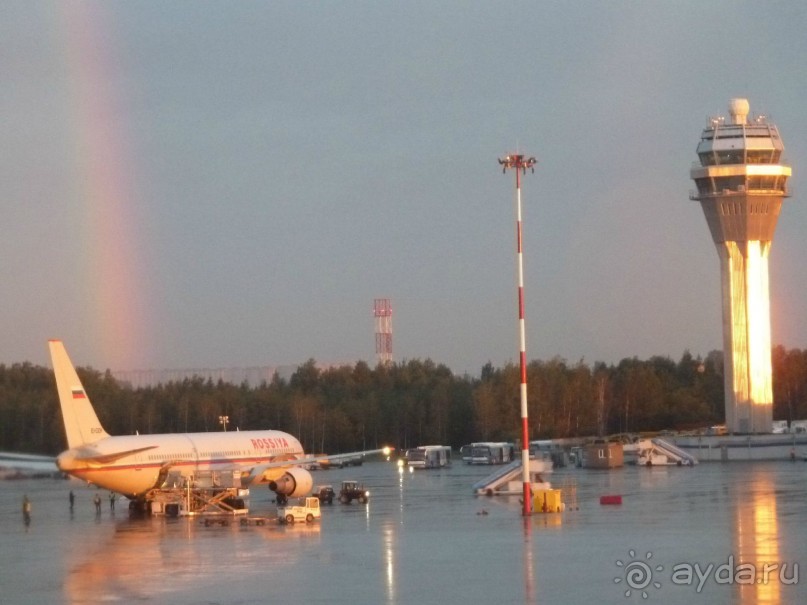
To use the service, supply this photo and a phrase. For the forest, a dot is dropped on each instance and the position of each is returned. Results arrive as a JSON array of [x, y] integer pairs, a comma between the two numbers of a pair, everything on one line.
[[403, 404]]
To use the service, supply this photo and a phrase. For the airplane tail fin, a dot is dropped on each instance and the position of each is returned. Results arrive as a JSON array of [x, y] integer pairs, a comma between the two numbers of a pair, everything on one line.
[[80, 421]]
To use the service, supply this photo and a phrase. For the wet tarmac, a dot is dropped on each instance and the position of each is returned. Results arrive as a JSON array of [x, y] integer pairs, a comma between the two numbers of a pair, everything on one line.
[[681, 535]]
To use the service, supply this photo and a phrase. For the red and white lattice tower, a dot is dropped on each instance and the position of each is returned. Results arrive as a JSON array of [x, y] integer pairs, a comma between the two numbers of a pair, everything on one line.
[[519, 164], [382, 309]]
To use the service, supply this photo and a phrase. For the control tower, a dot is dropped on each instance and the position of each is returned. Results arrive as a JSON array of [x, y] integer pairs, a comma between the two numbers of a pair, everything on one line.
[[741, 183]]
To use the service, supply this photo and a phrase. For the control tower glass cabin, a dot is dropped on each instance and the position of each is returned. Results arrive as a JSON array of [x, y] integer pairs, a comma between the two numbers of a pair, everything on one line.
[[741, 183]]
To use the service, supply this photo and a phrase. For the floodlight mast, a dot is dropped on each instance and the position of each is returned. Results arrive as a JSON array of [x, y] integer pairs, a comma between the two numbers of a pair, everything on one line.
[[519, 163]]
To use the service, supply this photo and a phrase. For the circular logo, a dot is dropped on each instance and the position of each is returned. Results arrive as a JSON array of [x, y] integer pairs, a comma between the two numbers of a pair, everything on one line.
[[638, 574]]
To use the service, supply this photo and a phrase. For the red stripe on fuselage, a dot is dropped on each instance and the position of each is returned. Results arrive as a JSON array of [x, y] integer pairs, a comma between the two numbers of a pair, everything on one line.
[[185, 463]]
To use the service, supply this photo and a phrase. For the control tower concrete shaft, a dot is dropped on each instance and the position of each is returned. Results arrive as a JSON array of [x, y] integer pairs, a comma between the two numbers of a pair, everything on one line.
[[741, 184]]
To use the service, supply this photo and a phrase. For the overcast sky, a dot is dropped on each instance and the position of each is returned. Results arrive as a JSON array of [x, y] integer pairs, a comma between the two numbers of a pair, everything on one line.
[[224, 184]]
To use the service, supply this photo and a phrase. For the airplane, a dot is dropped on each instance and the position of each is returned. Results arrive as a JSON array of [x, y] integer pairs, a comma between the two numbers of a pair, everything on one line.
[[133, 465], [14, 465]]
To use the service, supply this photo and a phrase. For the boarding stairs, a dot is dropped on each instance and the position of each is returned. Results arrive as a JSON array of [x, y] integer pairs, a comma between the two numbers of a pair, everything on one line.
[[507, 479], [658, 452]]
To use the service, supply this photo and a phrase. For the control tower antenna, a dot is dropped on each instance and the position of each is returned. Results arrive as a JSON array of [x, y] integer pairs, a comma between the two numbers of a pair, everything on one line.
[[741, 183], [519, 163], [383, 330]]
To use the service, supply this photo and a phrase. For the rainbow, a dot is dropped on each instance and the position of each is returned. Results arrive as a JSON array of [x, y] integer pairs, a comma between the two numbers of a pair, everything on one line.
[[112, 274]]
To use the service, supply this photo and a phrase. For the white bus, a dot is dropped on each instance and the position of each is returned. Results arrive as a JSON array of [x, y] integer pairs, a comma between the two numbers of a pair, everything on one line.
[[429, 456], [487, 452]]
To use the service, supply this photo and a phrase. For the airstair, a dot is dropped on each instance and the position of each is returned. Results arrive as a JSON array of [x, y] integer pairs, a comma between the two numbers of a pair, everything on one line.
[[658, 452], [507, 480]]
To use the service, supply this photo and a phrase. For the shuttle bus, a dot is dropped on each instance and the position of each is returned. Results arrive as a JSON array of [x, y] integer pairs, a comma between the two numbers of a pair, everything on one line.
[[487, 452], [429, 456]]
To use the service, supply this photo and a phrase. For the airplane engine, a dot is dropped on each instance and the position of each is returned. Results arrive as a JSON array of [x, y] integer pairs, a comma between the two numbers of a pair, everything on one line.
[[295, 483]]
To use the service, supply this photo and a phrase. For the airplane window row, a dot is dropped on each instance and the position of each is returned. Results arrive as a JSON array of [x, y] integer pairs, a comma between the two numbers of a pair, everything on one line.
[[164, 457], [223, 454], [190, 456]]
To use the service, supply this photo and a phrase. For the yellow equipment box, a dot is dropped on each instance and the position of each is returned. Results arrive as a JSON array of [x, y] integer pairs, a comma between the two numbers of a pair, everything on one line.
[[547, 501]]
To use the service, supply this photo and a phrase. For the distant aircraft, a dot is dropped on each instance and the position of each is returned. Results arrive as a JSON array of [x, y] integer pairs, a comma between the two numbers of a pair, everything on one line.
[[133, 465], [15, 465]]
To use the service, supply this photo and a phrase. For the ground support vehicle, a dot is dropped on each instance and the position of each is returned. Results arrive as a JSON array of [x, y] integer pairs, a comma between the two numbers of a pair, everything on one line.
[[247, 521], [305, 511], [324, 493], [352, 490], [193, 501]]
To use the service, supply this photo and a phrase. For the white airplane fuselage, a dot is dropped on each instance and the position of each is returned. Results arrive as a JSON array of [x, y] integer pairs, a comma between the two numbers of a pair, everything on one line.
[[148, 458], [133, 465]]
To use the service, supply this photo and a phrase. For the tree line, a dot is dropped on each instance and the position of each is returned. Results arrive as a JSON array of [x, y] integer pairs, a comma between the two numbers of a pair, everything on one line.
[[403, 404]]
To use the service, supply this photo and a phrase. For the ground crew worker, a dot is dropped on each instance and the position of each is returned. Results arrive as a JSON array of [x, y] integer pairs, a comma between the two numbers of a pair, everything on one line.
[[26, 509]]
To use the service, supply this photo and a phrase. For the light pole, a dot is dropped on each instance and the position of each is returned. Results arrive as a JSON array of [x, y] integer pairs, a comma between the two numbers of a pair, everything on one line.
[[223, 420], [520, 164]]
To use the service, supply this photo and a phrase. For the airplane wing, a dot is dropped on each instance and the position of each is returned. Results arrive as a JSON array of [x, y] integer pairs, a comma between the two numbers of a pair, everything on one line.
[[258, 470], [336, 457]]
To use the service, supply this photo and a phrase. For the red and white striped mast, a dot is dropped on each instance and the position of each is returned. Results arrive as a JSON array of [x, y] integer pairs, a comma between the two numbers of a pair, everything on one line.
[[382, 309], [520, 164]]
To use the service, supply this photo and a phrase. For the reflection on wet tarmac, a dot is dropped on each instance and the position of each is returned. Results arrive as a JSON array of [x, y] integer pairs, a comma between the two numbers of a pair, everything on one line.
[[145, 557], [388, 531], [759, 570], [528, 562], [422, 538]]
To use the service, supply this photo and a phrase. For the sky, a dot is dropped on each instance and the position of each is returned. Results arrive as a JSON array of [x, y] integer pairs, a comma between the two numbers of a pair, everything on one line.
[[232, 184]]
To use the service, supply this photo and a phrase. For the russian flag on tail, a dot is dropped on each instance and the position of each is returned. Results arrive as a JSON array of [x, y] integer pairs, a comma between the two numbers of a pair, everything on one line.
[[78, 393]]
